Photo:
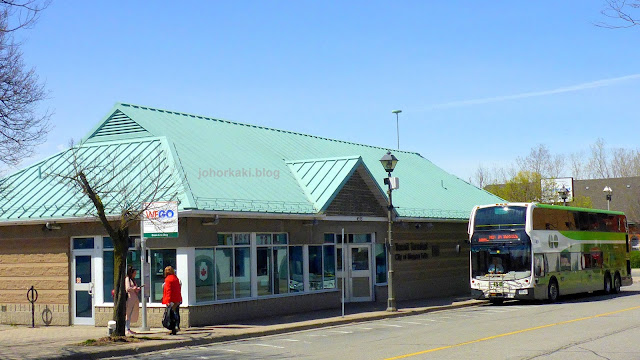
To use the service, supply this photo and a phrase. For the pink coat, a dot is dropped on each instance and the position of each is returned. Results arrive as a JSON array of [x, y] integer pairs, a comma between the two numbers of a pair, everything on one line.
[[133, 300]]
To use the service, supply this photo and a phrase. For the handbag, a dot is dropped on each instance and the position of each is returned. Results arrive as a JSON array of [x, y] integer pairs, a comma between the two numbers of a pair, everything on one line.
[[167, 318]]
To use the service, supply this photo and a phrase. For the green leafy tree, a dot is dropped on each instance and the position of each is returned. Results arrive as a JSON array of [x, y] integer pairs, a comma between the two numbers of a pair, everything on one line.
[[582, 201], [524, 187]]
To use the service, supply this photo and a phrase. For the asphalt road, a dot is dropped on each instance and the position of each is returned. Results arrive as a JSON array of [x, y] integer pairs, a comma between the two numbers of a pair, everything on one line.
[[578, 327]]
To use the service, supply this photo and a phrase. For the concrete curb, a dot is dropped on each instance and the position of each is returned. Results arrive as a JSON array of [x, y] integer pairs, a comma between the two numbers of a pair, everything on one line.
[[136, 349]]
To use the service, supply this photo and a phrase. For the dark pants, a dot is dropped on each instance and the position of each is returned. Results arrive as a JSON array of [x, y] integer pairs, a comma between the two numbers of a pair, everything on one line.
[[176, 316]]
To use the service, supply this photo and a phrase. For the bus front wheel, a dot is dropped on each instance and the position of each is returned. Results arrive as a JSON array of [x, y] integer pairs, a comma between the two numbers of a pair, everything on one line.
[[617, 283], [554, 292]]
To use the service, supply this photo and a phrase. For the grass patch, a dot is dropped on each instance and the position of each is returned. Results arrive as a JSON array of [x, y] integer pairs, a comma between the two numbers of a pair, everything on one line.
[[110, 340]]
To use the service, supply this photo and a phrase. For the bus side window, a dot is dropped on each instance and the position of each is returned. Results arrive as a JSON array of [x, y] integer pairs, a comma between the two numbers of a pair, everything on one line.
[[565, 262], [539, 265]]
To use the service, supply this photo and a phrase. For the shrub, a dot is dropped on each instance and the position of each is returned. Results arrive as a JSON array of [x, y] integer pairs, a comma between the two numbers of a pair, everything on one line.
[[635, 259]]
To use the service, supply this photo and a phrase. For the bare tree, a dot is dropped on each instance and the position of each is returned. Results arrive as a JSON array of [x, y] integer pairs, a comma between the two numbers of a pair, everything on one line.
[[599, 161], [22, 126], [623, 13], [21, 13], [481, 177], [624, 162], [115, 188], [538, 161], [577, 165]]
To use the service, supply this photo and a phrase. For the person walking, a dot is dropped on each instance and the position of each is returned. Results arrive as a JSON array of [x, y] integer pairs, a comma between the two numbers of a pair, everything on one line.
[[133, 300], [172, 296]]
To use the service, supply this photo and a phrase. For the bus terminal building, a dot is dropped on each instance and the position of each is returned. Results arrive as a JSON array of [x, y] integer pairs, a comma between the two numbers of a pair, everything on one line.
[[261, 216]]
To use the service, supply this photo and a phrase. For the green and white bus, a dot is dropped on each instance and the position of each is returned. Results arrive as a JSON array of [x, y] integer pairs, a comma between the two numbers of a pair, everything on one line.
[[537, 251]]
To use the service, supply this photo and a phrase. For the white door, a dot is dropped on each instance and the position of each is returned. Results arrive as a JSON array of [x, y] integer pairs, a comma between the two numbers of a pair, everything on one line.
[[83, 279], [358, 272]]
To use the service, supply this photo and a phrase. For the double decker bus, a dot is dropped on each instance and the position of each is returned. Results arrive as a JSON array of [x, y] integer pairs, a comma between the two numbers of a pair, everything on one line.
[[537, 251]]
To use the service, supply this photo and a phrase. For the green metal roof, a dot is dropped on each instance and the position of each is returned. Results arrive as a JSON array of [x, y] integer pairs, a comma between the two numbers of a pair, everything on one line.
[[229, 166], [39, 191]]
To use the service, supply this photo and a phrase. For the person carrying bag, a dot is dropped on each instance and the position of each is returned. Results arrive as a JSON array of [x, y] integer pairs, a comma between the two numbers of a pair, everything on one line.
[[172, 297]]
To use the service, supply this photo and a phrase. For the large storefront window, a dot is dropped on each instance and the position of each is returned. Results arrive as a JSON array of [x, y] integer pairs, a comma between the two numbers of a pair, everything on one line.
[[273, 264], [204, 275], [296, 268], [233, 260], [239, 267], [322, 267], [133, 259], [224, 272], [159, 260]]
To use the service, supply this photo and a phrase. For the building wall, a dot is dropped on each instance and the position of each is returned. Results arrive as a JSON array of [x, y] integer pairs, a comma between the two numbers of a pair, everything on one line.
[[427, 264], [39, 259]]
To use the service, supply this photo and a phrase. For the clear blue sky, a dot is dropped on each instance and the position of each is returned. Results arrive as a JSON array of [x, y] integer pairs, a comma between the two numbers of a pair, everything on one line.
[[479, 82]]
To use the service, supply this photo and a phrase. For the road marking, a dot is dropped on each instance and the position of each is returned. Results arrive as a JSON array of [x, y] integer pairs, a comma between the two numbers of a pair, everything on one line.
[[317, 335], [266, 345], [292, 340], [410, 322], [231, 350], [341, 332], [511, 333], [363, 328], [391, 325]]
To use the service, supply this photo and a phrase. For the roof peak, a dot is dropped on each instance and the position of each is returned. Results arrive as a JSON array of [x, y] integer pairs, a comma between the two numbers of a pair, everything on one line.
[[260, 127]]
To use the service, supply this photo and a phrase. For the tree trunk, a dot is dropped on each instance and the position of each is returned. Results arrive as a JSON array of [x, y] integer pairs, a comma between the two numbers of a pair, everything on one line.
[[120, 250]]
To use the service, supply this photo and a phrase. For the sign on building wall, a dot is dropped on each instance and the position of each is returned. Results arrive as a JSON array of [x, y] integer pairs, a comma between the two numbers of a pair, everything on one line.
[[160, 219], [551, 189]]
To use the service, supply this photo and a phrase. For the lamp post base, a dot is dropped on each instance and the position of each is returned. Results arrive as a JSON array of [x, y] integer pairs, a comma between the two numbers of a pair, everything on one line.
[[391, 305]]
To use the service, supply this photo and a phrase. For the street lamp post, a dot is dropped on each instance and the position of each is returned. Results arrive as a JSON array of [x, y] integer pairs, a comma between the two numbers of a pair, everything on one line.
[[563, 194], [397, 125], [389, 163], [608, 191]]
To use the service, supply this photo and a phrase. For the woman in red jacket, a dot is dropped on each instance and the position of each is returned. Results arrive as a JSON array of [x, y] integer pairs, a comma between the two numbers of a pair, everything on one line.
[[172, 295]]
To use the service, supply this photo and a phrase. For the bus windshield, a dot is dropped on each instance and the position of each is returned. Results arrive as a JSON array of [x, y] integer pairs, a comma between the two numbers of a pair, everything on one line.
[[500, 218], [512, 261]]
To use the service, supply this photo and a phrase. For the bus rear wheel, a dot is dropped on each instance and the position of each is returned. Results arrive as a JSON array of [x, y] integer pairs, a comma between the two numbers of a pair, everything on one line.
[[617, 283], [554, 292], [607, 283]]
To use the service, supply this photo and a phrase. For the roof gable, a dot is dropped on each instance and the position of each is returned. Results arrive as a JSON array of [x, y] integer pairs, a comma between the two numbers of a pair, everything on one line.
[[117, 126], [322, 179]]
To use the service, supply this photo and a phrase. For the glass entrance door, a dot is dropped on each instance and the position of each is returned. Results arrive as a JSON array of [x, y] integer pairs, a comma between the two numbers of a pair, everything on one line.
[[83, 279], [357, 272]]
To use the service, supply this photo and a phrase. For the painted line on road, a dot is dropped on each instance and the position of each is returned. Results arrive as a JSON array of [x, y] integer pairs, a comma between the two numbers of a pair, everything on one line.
[[266, 345], [511, 333]]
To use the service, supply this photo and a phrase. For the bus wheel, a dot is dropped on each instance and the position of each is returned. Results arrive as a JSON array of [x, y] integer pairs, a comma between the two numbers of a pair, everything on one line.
[[607, 283], [553, 291], [617, 283]]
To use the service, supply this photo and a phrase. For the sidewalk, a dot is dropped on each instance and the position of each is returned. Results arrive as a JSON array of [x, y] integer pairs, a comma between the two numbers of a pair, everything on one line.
[[22, 342]]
